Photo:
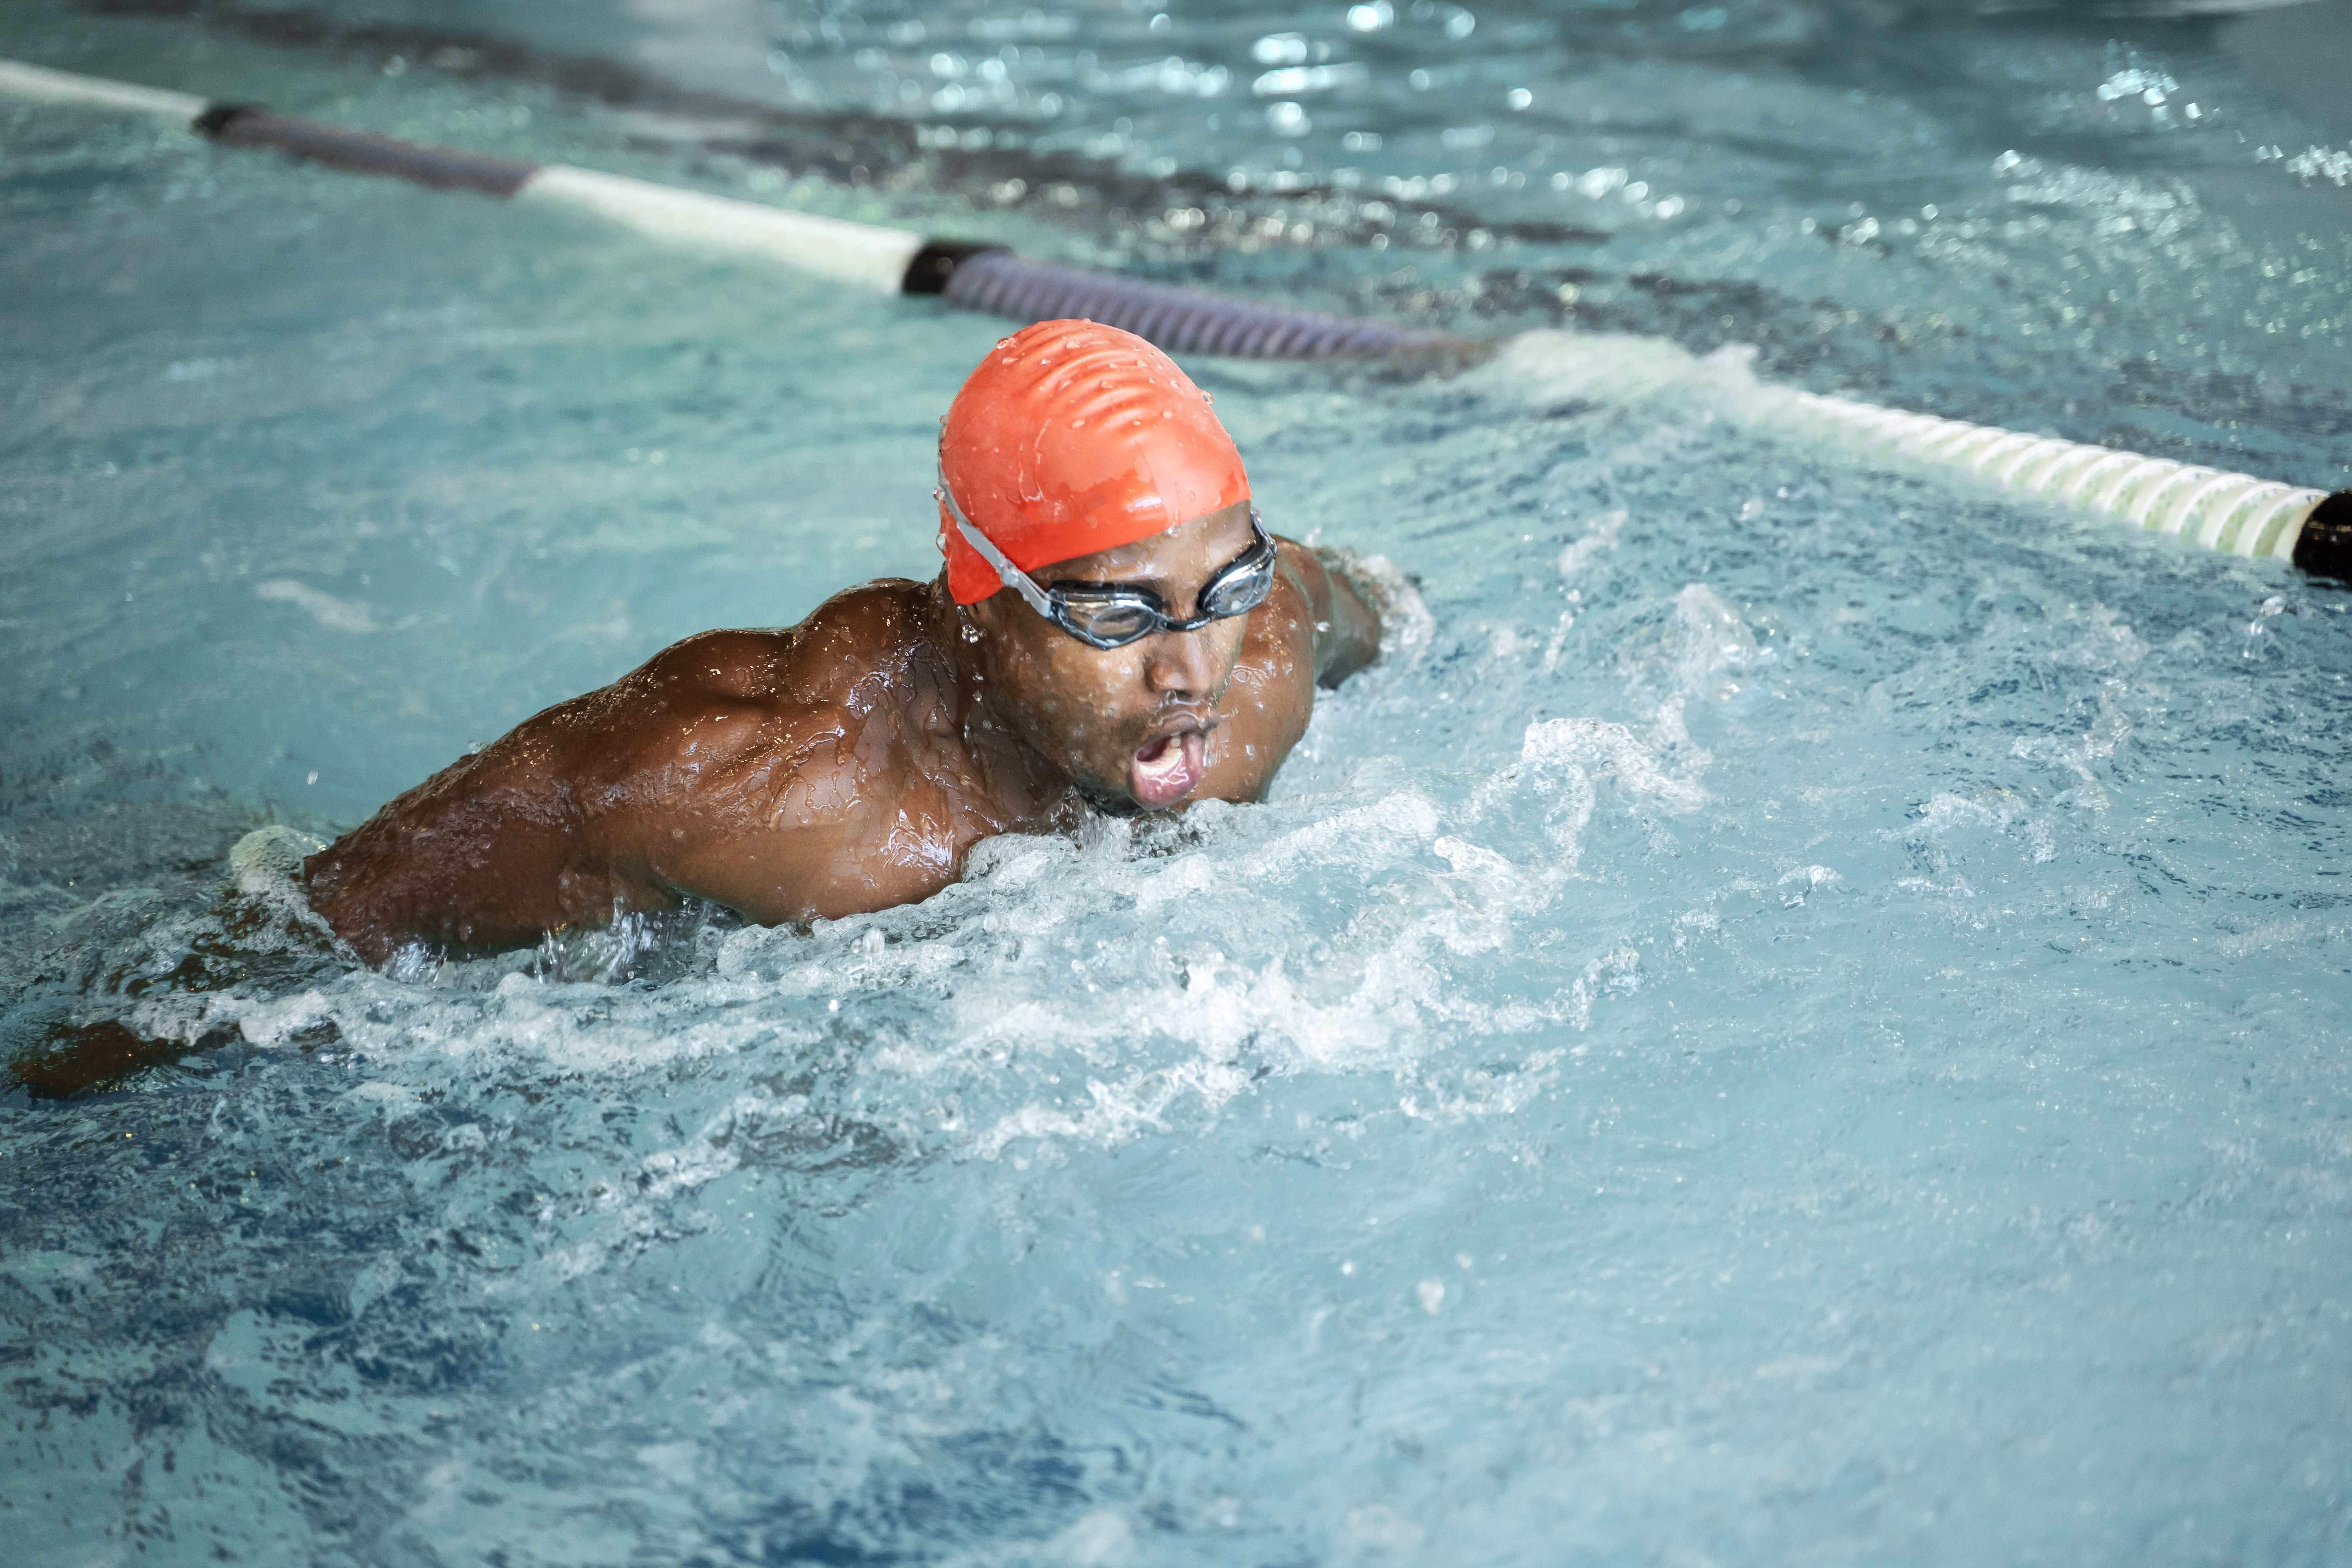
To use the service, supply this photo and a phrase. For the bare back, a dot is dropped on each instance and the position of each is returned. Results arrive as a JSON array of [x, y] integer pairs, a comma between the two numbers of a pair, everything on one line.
[[843, 764]]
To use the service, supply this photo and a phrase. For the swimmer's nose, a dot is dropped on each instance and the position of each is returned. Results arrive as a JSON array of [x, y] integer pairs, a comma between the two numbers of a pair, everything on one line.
[[1180, 666]]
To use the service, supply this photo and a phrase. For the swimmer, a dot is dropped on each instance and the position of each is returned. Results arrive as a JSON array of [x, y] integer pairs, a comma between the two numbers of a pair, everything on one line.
[[1113, 629]]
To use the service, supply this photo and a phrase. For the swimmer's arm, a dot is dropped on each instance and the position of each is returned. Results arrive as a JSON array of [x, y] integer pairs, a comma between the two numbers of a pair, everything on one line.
[[1347, 629], [489, 852], [624, 799]]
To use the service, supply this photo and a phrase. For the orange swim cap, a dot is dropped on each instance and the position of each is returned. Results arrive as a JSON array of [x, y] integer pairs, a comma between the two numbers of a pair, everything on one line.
[[1071, 437]]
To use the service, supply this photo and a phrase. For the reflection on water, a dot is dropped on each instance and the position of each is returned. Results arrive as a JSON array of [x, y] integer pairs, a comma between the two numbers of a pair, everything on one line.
[[1798, 1007]]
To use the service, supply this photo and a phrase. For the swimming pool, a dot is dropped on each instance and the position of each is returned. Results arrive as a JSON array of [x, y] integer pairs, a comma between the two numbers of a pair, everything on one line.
[[1799, 1016]]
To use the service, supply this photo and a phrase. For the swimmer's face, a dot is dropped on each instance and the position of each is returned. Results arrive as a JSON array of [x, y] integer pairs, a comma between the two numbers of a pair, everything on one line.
[[1133, 723]]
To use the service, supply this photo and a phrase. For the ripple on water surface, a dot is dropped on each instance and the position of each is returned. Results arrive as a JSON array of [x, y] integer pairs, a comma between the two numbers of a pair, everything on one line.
[[1797, 1010]]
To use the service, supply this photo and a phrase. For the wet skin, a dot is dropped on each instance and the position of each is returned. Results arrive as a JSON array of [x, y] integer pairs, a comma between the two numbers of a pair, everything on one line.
[[849, 763]]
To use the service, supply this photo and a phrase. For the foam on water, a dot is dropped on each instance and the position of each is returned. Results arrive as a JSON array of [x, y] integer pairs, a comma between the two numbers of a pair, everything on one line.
[[1795, 1014]]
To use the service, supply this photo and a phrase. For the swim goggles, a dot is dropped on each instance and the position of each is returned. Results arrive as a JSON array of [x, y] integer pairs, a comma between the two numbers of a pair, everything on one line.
[[1108, 615]]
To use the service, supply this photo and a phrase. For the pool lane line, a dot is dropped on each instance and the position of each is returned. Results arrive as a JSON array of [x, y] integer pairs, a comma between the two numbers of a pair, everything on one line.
[[977, 277], [2234, 513]]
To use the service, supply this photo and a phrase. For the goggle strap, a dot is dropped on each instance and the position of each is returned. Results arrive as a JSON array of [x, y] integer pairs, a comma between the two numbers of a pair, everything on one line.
[[1011, 576]]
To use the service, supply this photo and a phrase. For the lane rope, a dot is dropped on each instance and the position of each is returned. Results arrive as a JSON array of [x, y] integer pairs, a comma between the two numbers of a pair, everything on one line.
[[2235, 513]]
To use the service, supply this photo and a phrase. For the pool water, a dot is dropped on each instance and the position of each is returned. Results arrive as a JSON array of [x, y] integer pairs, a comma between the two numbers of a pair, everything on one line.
[[1799, 1015]]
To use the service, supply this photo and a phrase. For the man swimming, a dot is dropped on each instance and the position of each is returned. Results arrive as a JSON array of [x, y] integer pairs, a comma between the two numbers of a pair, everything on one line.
[[1157, 647]]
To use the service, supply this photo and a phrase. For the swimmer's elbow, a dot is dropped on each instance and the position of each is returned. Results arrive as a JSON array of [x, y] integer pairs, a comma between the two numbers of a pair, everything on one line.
[[1352, 640], [1343, 662], [353, 907], [1346, 620]]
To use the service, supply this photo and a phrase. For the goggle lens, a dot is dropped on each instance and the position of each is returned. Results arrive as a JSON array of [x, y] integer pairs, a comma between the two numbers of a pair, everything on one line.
[[1241, 592], [1113, 621]]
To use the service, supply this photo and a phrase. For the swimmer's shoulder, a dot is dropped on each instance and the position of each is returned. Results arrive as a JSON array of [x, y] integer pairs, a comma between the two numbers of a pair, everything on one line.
[[845, 642], [1281, 640], [854, 647], [732, 704], [1323, 611]]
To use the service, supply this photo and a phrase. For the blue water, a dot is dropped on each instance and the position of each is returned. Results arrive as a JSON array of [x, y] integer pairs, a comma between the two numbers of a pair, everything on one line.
[[1799, 1016]]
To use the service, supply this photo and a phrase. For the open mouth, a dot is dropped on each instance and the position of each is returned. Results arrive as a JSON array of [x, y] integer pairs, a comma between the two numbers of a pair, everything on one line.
[[1168, 768]]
